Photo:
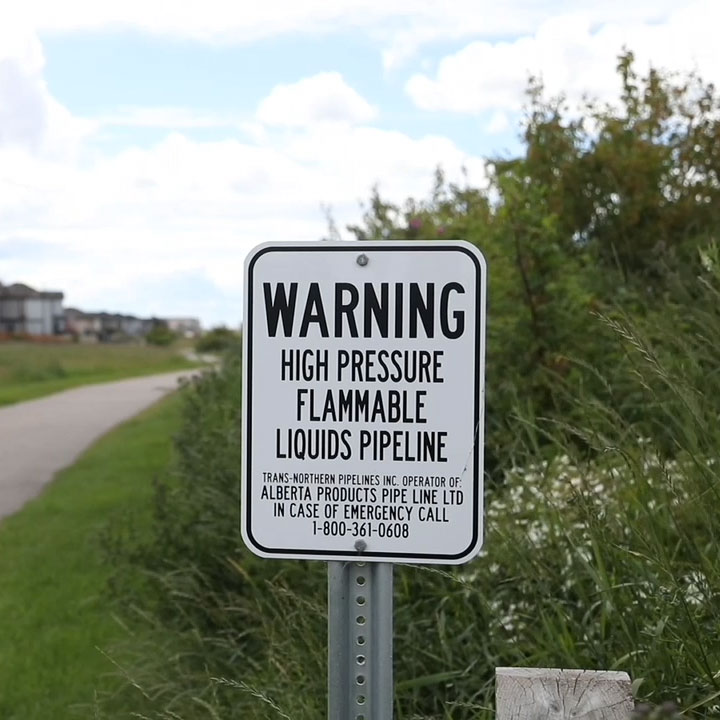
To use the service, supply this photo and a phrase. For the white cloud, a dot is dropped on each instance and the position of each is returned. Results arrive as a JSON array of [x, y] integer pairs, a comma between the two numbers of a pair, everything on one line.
[[231, 21], [123, 231], [573, 55], [322, 98], [166, 117], [29, 116], [24, 100], [494, 22], [402, 26]]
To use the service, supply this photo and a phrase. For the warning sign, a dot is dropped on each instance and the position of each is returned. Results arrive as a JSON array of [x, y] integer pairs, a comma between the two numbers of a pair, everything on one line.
[[363, 401]]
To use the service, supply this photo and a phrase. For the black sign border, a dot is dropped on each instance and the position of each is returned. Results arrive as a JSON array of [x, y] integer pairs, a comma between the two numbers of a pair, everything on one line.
[[354, 247]]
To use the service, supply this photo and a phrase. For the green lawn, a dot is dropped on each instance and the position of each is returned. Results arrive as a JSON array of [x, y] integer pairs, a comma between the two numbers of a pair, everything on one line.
[[55, 614], [29, 370]]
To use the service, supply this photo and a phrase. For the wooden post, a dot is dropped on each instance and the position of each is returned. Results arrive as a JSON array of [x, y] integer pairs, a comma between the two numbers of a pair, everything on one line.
[[550, 694]]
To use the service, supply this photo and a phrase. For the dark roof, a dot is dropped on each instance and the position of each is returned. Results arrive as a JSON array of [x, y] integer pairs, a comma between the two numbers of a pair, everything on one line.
[[101, 315], [20, 290], [75, 313]]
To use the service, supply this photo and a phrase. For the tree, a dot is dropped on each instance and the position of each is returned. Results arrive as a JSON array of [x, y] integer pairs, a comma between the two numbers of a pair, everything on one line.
[[603, 213]]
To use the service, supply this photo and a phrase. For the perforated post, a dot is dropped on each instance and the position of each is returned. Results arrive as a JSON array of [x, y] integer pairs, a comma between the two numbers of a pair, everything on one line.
[[360, 642]]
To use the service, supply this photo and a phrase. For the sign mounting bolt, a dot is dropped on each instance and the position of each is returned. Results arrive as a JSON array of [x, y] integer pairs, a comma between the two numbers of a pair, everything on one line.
[[362, 260], [360, 545]]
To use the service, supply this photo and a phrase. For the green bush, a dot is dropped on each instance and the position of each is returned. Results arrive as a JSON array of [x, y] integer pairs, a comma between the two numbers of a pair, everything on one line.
[[603, 208], [218, 339], [604, 555], [161, 336]]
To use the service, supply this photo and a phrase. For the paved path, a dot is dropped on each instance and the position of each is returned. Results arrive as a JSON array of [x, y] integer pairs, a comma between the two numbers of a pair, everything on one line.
[[40, 437]]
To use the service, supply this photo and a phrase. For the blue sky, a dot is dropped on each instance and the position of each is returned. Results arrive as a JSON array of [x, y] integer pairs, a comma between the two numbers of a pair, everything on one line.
[[144, 151], [97, 74]]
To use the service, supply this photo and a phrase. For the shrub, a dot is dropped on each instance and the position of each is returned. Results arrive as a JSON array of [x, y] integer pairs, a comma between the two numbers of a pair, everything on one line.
[[218, 339], [161, 336], [601, 554]]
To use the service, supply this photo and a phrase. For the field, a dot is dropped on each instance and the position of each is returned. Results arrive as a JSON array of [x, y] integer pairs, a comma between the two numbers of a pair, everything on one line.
[[57, 620], [29, 370]]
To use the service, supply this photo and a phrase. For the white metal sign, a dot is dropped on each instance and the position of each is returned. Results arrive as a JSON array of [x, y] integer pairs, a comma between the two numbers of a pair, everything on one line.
[[363, 401]]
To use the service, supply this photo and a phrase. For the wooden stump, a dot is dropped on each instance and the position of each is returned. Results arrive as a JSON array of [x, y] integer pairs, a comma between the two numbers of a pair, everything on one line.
[[551, 694]]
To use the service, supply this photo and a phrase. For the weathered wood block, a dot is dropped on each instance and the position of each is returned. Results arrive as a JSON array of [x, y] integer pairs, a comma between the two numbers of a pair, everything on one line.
[[552, 694]]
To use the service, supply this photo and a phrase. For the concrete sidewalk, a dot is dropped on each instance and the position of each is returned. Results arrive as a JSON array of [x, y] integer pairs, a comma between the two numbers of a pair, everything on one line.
[[40, 437]]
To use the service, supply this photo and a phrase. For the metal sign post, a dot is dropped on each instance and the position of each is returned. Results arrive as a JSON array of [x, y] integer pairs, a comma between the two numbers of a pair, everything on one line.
[[363, 400], [360, 641]]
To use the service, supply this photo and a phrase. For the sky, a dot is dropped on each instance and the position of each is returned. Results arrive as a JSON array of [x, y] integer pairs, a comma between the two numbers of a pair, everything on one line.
[[147, 145]]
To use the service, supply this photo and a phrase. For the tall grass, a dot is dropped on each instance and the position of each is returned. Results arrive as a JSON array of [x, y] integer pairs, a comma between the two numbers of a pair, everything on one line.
[[602, 552], [30, 370]]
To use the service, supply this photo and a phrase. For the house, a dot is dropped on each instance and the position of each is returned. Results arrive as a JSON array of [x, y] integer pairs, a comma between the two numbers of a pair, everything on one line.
[[186, 326], [109, 327], [153, 323], [117, 328], [86, 327], [131, 326], [25, 311], [104, 326]]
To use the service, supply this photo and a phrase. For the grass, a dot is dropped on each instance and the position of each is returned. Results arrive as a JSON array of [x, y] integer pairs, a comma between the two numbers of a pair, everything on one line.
[[29, 370], [602, 552], [56, 617]]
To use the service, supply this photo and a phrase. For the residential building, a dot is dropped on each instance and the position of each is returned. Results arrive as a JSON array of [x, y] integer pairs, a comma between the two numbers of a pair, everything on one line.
[[86, 327], [187, 327], [25, 311], [107, 327]]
